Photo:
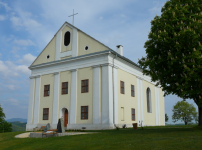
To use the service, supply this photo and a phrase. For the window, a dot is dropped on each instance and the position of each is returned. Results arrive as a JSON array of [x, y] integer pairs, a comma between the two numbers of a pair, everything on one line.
[[84, 112], [133, 114], [67, 38], [122, 113], [132, 91], [64, 87], [122, 87], [86, 48], [84, 86], [45, 113], [148, 100], [46, 90]]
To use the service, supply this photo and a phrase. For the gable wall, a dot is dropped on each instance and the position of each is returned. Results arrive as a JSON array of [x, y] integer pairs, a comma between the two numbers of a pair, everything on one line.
[[49, 50], [85, 40]]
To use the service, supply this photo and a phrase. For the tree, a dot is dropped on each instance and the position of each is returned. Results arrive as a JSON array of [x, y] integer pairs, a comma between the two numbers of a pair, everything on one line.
[[184, 111], [166, 118], [174, 50], [4, 125]]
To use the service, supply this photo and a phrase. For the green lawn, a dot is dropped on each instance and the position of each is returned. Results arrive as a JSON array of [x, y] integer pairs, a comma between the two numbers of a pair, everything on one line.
[[168, 137]]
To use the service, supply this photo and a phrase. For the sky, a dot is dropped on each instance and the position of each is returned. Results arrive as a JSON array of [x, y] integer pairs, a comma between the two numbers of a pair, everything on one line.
[[26, 27]]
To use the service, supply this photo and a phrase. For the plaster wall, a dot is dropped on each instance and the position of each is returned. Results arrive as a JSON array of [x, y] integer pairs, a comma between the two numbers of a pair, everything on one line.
[[85, 99], [149, 118], [93, 46], [64, 99], [49, 50], [46, 102], [126, 100]]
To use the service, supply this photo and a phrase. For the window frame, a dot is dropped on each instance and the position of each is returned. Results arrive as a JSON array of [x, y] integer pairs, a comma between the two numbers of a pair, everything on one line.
[[132, 91], [69, 38], [64, 88], [85, 86], [45, 114], [46, 90], [122, 87], [132, 114], [84, 112]]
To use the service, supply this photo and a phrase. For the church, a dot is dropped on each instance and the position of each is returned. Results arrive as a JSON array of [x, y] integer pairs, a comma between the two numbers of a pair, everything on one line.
[[90, 86]]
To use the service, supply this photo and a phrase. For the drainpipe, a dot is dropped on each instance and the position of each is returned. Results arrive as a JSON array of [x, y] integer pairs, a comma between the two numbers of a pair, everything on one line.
[[113, 90]]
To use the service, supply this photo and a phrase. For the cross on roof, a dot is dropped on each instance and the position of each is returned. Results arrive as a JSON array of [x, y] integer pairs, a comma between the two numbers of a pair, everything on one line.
[[73, 17]]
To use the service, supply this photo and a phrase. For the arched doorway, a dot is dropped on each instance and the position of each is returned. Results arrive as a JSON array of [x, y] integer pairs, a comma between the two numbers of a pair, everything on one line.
[[65, 117]]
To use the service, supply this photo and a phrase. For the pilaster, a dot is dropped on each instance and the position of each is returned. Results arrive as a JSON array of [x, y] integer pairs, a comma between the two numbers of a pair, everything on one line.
[[37, 99], [107, 97], [73, 96], [55, 98], [31, 100], [96, 95]]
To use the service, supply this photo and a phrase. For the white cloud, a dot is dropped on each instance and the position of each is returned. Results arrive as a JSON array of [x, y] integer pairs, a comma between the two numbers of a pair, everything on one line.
[[27, 59], [24, 42], [11, 87], [9, 69], [5, 5], [0, 55], [16, 21], [2, 17]]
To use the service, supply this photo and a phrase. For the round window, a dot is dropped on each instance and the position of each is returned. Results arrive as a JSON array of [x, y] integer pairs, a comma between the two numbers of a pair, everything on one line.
[[48, 56], [86, 48]]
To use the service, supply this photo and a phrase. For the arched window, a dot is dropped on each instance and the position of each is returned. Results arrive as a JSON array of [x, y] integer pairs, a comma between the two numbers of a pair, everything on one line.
[[149, 100], [67, 36]]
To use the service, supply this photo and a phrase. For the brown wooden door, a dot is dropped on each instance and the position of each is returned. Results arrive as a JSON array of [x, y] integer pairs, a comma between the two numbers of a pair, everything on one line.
[[66, 118]]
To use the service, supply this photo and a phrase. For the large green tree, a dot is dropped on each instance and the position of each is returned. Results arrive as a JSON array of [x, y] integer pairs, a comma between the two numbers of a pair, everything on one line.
[[4, 125], [184, 111], [174, 50]]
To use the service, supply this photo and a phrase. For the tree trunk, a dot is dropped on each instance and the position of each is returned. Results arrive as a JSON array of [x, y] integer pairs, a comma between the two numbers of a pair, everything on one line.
[[185, 123], [200, 115]]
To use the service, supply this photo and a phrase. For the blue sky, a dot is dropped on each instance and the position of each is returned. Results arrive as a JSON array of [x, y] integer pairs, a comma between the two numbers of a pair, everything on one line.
[[26, 27]]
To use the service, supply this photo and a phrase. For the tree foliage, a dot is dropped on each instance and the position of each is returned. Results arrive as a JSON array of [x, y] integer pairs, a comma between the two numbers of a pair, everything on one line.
[[174, 50], [166, 118], [4, 125], [184, 111]]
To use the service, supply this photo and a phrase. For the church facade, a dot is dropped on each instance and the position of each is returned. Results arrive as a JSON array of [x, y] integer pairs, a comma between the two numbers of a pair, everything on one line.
[[89, 85]]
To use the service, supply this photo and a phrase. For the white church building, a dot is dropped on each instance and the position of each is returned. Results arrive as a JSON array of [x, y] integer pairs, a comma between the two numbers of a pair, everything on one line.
[[89, 85]]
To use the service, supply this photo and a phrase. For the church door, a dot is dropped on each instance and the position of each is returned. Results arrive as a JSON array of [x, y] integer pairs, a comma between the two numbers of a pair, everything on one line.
[[66, 118]]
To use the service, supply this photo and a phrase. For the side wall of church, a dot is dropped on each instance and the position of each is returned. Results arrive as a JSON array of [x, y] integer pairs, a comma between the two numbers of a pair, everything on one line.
[[64, 99], [93, 45], [126, 100], [46, 102], [85, 99], [49, 50], [162, 109], [149, 117]]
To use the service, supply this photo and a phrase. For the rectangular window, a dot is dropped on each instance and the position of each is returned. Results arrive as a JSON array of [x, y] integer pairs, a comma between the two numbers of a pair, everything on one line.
[[132, 91], [133, 114], [46, 90], [64, 87], [84, 86], [122, 113], [84, 112], [122, 87], [45, 113]]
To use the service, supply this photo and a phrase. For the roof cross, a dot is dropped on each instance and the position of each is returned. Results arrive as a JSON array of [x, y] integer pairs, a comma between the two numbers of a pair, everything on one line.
[[73, 17]]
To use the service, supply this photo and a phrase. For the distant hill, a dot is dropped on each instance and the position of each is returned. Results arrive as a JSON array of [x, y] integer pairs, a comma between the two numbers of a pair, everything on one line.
[[17, 119], [18, 126]]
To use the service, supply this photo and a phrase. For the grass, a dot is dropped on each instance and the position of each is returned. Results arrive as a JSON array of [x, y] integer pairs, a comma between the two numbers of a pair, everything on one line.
[[165, 138]]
